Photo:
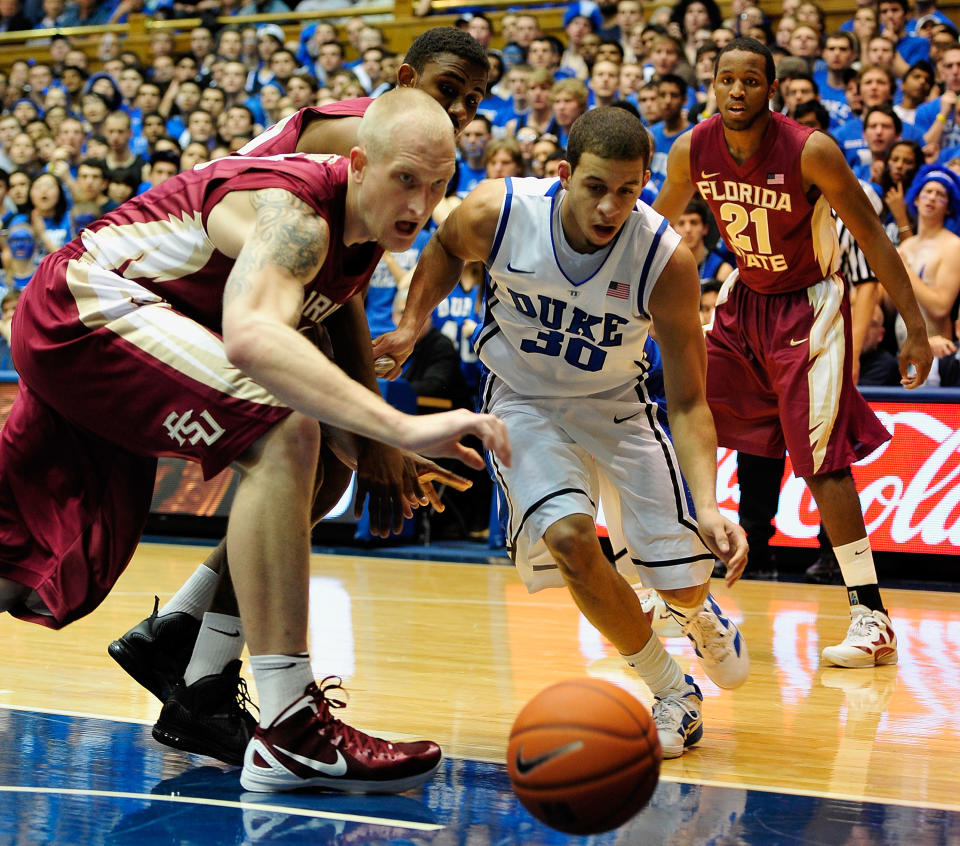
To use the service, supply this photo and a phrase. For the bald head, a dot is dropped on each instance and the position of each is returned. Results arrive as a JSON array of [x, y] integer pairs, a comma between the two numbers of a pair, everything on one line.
[[405, 119], [404, 160]]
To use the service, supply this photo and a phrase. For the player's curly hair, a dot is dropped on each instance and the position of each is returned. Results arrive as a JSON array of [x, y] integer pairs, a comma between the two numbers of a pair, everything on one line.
[[446, 39], [750, 45], [610, 133]]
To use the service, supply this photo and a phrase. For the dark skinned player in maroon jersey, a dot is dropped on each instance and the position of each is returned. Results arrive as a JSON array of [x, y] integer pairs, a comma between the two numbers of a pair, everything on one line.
[[779, 373]]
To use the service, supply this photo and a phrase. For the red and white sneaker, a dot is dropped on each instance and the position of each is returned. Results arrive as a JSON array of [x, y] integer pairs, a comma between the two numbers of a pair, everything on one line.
[[870, 641], [307, 747]]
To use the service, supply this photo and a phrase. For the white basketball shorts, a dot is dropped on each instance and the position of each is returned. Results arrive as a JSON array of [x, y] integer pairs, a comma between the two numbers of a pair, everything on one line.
[[571, 453]]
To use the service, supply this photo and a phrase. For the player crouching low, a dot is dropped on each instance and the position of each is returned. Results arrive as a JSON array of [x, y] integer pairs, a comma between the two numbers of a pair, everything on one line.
[[577, 273]]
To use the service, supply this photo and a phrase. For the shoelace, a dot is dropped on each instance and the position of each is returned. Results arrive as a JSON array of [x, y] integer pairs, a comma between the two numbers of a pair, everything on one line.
[[712, 635], [865, 625], [669, 710], [243, 697], [343, 731]]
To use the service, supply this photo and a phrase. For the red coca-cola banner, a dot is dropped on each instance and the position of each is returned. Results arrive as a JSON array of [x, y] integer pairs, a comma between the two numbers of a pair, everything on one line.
[[909, 488]]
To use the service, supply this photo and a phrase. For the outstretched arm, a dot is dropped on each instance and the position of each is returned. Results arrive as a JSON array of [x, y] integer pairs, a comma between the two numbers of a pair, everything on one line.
[[674, 306], [824, 167], [465, 235], [280, 243]]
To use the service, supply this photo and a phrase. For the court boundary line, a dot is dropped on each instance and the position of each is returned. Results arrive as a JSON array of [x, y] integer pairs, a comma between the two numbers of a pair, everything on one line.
[[224, 803]]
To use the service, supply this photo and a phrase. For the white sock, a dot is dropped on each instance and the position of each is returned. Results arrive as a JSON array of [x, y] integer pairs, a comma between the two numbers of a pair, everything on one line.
[[856, 563], [219, 642], [281, 680], [655, 666], [196, 594]]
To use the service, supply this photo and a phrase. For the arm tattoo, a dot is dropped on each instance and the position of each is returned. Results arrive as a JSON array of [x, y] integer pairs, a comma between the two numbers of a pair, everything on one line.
[[288, 234]]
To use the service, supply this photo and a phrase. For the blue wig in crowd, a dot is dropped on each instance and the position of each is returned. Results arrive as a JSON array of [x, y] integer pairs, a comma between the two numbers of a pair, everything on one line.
[[951, 184]]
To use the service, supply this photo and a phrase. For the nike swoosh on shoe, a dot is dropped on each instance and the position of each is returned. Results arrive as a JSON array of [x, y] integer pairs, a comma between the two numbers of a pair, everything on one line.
[[336, 768]]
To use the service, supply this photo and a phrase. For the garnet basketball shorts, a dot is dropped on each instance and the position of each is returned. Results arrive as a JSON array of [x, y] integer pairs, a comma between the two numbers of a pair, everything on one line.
[[119, 361], [779, 377]]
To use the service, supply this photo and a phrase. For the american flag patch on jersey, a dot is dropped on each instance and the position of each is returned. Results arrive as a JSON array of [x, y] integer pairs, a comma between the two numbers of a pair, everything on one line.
[[774, 179], [620, 290]]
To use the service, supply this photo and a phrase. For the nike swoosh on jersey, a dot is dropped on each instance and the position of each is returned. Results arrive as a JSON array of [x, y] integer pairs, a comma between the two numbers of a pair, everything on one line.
[[525, 765], [221, 631], [516, 269], [794, 342], [708, 175], [336, 768], [628, 417]]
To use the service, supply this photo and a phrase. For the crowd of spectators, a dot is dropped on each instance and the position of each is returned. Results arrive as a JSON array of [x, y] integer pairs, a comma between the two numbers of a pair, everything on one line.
[[80, 136]]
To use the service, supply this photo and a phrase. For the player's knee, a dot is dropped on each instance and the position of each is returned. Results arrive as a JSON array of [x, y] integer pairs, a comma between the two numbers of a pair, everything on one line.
[[573, 544], [298, 444]]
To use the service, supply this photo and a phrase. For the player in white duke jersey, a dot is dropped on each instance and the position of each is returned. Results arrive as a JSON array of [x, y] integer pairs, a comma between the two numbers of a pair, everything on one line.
[[577, 272]]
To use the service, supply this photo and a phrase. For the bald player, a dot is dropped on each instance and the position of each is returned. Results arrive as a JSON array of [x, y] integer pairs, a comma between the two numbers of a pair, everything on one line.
[[184, 638], [174, 327]]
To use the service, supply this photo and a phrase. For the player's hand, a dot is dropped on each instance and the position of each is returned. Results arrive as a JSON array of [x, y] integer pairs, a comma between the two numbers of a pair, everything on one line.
[[915, 352], [726, 540], [440, 435], [387, 482], [395, 488], [429, 473], [397, 344]]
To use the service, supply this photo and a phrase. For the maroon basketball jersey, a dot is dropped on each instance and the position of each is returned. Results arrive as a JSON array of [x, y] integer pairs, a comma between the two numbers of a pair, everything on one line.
[[283, 136], [159, 239], [782, 242]]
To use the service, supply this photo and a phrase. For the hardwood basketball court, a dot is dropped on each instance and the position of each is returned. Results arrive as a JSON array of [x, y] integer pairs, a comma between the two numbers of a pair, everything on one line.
[[799, 754]]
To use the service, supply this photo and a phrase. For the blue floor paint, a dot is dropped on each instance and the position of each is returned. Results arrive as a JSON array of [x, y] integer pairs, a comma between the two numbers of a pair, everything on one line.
[[79, 780]]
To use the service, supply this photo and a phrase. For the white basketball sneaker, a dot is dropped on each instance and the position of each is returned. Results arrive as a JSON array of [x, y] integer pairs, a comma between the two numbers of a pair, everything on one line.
[[719, 645], [678, 719], [870, 641]]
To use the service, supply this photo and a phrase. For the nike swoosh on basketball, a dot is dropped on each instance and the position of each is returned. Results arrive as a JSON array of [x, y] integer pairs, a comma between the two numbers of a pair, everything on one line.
[[513, 269], [336, 768], [628, 417], [708, 175], [796, 343], [525, 765]]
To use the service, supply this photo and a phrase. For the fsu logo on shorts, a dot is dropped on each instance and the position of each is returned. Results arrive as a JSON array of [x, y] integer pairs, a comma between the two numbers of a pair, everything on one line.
[[182, 428]]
